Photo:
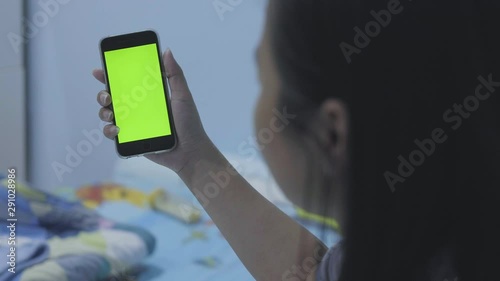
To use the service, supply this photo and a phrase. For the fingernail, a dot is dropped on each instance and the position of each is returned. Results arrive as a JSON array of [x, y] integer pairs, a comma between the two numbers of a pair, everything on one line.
[[171, 53], [104, 98], [109, 114], [117, 130]]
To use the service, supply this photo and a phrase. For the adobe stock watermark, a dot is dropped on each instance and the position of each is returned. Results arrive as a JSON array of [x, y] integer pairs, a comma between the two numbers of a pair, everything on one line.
[[253, 145], [250, 147], [127, 103], [454, 117], [222, 7], [372, 29], [302, 271], [47, 9], [93, 138], [76, 154]]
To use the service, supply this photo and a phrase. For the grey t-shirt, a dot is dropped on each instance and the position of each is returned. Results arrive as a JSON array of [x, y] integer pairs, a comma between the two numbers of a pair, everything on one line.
[[329, 268]]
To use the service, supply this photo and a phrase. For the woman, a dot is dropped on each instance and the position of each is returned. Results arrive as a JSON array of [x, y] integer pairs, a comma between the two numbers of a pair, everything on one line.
[[389, 124]]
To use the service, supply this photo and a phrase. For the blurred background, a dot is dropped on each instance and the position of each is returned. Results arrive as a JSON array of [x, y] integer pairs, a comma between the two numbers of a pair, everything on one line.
[[79, 191], [48, 93]]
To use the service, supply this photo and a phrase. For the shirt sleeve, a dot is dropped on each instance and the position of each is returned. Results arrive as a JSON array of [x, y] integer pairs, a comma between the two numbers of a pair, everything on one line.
[[329, 268]]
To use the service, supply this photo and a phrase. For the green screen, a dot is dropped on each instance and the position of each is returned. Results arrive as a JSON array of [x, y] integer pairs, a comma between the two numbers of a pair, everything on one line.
[[137, 93]]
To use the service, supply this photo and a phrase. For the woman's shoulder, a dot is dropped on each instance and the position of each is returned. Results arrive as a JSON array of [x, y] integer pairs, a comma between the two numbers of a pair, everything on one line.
[[329, 268]]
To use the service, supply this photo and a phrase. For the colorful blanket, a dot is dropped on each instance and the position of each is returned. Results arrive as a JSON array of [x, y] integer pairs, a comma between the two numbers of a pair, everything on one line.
[[195, 251], [59, 239], [44, 237]]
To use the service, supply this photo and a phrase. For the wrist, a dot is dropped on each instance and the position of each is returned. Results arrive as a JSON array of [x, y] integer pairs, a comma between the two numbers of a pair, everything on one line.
[[206, 152]]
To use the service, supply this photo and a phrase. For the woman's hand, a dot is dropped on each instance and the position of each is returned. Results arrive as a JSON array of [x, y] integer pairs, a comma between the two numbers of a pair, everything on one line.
[[269, 243], [191, 137]]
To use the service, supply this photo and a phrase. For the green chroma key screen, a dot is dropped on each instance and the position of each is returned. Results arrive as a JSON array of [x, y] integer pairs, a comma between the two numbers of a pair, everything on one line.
[[136, 86]]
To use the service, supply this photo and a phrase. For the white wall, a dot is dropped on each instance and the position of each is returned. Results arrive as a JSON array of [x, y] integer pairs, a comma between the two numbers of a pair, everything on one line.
[[12, 94], [217, 56]]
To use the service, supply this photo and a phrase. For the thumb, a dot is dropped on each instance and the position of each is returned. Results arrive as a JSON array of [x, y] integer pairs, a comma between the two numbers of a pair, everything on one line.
[[176, 78]]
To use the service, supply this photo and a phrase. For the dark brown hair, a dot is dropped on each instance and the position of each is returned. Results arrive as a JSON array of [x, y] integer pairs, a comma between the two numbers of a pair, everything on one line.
[[417, 80]]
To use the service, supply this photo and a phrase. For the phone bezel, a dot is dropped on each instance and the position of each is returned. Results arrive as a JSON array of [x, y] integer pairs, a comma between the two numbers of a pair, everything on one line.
[[146, 146]]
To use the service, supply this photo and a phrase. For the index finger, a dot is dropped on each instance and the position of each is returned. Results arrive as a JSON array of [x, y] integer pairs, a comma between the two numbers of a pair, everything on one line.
[[99, 75]]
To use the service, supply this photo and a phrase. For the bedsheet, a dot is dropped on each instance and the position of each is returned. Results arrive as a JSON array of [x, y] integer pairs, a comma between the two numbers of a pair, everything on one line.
[[192, 252], [48, 238], [176, 250]]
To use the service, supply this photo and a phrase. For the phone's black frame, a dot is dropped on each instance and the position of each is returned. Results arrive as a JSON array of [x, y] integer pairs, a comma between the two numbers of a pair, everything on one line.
[[147, 146]]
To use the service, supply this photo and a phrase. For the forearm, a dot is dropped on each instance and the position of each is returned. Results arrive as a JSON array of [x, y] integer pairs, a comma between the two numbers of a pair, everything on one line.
[[271, 245]]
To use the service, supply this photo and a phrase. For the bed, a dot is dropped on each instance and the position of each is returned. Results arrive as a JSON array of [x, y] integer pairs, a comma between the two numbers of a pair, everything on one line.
[[182, 251]]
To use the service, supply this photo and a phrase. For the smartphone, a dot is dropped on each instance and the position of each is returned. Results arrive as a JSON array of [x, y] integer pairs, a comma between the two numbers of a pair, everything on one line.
[[136, 80]]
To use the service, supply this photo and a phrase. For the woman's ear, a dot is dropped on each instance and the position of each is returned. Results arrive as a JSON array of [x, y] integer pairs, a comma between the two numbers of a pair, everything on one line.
[[334, 127]]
